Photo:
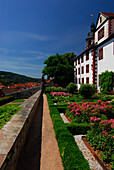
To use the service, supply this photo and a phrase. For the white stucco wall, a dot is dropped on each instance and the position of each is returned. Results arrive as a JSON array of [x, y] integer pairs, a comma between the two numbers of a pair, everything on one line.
[[85, 74], [107, 63]]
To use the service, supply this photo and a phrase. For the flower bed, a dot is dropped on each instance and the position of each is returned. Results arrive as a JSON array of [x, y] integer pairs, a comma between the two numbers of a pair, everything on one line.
[[60, 94], [101, 138], [82, 112]]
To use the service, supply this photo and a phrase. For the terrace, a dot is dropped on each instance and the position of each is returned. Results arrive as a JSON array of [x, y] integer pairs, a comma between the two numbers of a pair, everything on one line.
[[45, 135]]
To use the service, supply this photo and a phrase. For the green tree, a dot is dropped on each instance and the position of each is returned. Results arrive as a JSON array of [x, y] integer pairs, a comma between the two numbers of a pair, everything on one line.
[[106, 81], [60, 68]]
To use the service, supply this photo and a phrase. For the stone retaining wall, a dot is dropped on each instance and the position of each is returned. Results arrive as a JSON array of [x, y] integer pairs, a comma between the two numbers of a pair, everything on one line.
[[25, 93], [13, 135]]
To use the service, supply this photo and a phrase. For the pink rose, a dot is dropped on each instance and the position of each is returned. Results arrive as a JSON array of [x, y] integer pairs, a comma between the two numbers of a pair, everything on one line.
[[77, 113], [104, 132], [112, 125]]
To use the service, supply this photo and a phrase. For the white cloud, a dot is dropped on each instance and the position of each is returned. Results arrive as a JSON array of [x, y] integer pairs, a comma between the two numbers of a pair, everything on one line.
[[21, 65], [19, 36]]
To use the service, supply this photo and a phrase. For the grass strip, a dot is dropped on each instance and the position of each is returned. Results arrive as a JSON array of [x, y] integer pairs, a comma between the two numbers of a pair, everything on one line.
[[7, 112], [18, 100]]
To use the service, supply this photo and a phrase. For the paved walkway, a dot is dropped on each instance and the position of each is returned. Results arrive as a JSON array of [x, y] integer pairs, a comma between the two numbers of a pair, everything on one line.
[[50, 159], [40, 151]]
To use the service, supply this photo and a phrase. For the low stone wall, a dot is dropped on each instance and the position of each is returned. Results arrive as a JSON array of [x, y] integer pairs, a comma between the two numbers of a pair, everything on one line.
[[13, 135], [25, 93]]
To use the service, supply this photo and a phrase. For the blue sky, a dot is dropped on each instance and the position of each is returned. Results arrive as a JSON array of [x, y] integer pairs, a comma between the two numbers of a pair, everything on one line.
[[32, 30]]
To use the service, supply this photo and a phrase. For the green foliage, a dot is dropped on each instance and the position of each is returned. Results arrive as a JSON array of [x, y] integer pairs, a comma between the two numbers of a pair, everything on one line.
[[5, 99], [71, 87], [101, 138], [7, 78], [106, 81], [78, 128], [112, 101], [87, 90], [55, 89], [18, 100], [60, 68], [6, 113]]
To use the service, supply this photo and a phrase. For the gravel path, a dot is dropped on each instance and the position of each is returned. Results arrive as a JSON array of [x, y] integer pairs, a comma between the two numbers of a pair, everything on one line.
[[94, 165]]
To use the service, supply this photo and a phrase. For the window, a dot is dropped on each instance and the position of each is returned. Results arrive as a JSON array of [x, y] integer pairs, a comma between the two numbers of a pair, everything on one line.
[[100, 19], [78, 60], [76, 71], [87, 56], [101, 54], [82, 59], [79, 70], [87, 68], [83, 80], [82, 69], [100, 33], [87, 80], [76, 80], [79, 81]]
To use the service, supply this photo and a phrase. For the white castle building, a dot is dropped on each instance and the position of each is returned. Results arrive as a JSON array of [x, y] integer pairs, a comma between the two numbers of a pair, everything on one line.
[[99, 53]]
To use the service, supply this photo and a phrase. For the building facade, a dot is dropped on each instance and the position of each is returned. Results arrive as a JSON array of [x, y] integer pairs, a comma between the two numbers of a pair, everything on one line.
[[99, 53]]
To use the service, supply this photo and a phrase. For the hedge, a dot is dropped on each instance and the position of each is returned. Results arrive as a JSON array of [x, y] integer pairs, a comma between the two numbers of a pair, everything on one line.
[[78, 128], [72, 157]]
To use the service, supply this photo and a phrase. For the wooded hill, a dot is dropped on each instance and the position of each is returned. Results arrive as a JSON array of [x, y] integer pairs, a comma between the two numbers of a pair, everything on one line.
[[7, 78]]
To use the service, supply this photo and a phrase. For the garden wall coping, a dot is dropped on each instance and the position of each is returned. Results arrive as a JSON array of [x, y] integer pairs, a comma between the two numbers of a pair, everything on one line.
[[13, 134]]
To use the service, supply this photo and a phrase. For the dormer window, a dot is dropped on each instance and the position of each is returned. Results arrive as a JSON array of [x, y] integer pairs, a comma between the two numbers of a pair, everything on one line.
[[100, 33], [100, 19]]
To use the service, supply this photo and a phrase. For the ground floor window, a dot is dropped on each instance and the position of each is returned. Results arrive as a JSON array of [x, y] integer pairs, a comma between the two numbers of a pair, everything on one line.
[[83, 80], [76, 80], [79, 81], [87, 80]]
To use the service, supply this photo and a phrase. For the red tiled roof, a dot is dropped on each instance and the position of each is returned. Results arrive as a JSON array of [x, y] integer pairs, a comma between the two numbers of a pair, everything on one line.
[[107, 14]]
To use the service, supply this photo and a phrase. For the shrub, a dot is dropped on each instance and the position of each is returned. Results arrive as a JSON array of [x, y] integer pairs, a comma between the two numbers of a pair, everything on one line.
[[82, 112], [61, 89], [101, 137], [71, 87], [55, 89], [50, 89], [106, 81], [87, 90]]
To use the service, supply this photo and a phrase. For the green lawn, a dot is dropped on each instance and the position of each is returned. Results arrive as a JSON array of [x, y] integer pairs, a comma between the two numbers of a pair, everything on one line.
[[18, 100], [7, 112]]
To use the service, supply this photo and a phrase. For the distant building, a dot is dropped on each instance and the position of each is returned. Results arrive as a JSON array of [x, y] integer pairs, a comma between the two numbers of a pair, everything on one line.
[[99, 53]]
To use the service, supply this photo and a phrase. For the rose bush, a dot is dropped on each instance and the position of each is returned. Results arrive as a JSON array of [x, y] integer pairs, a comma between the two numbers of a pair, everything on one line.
[[60, 94], [101, 137], [82, 112]]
